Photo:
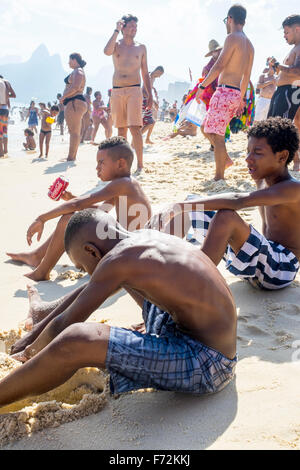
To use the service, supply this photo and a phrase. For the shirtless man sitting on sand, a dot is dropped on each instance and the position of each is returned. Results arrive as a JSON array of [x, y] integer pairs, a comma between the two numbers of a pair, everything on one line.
[[269, 260], [233, 67], [188, 343], [286, 99], [129, 58]]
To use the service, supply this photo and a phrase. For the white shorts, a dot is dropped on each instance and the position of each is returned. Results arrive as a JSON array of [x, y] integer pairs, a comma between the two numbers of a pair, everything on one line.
[[262, 108]]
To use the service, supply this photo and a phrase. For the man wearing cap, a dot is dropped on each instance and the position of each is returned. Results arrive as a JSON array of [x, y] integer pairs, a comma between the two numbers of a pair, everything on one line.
[[286, 99], [233, 68]]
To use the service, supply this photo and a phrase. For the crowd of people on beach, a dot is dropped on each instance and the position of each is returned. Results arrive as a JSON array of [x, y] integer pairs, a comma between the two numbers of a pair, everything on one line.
[[187, 340]]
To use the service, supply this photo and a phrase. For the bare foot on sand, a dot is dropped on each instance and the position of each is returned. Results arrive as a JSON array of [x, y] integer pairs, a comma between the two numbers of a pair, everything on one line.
[[37, 275], [36, 310], [25, 258]]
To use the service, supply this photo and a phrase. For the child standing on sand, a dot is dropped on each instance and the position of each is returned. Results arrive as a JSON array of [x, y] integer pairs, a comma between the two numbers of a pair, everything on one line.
[[30, 142], [48, 118], [133, 210]]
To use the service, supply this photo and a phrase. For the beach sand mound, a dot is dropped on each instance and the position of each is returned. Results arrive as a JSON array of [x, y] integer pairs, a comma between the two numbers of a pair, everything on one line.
[[83, 394]]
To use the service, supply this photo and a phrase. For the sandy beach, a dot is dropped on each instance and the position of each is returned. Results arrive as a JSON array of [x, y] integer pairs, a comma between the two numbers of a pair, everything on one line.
[[259, 410]]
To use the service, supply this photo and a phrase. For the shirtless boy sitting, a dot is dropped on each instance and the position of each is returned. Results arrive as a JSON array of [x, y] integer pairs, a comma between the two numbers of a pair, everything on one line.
[[269, 260], [114, 161], [188, 310], [46, 130]]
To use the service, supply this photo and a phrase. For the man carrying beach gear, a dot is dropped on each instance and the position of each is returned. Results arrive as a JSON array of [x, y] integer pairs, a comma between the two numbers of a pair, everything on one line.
[[123, 192], [269, 260], [130, 59], [233, 67], [189, 341], [266, 86], [6, 92], [286, 99]]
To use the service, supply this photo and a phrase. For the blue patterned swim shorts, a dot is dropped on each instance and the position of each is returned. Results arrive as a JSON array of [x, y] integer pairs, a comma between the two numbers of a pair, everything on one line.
[[164, 358]]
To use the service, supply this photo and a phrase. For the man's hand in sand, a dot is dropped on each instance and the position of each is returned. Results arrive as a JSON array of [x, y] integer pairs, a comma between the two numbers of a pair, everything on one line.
[[36, 227]]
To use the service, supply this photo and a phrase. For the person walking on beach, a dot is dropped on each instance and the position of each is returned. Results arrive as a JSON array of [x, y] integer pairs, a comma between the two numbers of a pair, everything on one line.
[[233, 68], [130, 60], [150, 115], [74, 102], [286, 99], [6, 92]]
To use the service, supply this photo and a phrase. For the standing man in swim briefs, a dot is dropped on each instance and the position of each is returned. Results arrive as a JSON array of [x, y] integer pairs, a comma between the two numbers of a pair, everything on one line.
[[6, 92], [286, 99], [130, 59], [233, 67]]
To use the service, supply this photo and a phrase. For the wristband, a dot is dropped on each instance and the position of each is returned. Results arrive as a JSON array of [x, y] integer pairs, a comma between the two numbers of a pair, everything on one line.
[[116, 31], [202, 87]]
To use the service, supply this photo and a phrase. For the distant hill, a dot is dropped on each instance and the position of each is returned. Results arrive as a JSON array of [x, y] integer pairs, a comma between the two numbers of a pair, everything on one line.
[[41, 77]]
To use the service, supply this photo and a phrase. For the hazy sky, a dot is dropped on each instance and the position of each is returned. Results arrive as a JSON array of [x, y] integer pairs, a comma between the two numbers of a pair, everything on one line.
[[176, 32]]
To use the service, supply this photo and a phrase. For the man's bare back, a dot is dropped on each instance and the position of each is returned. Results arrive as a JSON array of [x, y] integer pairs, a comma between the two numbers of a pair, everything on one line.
[[179, 279]]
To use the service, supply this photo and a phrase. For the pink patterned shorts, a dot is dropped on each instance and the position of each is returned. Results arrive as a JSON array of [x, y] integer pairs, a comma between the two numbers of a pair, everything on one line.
[[222, 108]]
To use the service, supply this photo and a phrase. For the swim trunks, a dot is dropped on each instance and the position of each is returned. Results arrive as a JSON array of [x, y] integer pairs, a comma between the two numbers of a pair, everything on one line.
[[45, 132], [262, 108], [285, 102], [223, 106], [126, 106], [147, 114], [164, 358], [3, 123], [263, 263]]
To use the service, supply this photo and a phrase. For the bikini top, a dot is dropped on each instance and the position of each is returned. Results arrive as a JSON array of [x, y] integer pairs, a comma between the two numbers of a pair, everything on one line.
[[66, 80]]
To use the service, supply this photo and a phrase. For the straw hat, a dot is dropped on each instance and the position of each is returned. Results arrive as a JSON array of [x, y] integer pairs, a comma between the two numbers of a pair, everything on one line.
[[213, 46]]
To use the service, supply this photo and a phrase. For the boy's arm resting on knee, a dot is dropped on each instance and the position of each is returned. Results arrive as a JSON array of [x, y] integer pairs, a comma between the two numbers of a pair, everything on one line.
[[106, 283]]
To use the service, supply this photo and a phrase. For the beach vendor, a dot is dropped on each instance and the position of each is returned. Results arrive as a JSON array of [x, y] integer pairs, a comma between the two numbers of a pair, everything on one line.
[[186, 344]]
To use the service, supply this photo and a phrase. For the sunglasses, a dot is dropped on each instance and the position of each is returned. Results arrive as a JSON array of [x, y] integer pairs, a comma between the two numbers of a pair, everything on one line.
[[226, 19]]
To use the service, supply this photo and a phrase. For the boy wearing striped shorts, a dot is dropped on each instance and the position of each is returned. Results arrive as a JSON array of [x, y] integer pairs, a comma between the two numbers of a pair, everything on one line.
[[269, 260]]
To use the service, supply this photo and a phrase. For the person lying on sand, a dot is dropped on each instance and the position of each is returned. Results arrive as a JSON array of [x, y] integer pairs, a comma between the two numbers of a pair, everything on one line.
[[269, 260], [189, 339], [114, 161]]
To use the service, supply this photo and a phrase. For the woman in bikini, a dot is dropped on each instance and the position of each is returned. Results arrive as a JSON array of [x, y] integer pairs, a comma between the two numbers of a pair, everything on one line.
[[74, 102], [99, 116]]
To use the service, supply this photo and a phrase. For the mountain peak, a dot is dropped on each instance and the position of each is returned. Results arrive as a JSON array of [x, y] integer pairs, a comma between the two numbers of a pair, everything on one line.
[[40, 52]]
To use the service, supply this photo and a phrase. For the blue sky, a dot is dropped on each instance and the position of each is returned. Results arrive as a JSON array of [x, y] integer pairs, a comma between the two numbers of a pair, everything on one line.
[[176, 32]]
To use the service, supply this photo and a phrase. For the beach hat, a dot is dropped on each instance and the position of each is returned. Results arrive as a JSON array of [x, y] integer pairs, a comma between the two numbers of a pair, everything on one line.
[[213, 46]]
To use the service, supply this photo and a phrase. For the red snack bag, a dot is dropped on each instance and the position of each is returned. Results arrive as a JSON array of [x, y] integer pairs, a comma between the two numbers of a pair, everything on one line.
[[57, 188]]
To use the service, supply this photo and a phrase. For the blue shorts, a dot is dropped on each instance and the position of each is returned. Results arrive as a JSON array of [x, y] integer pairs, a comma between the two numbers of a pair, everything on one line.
[[164, 358], [263, 263]]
